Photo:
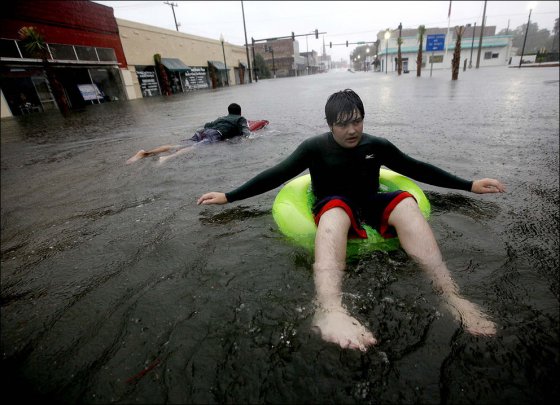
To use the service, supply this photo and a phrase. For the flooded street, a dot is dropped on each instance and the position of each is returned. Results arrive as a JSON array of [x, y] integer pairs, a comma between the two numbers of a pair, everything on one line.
[[117, 288]]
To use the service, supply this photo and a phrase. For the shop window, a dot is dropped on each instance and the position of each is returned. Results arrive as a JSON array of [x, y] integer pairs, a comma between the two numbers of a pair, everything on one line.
[[43, 92], [62, 52], [86, 53], [148, 81], [8, 49], [107, 81], [24, 52], [106, 54]]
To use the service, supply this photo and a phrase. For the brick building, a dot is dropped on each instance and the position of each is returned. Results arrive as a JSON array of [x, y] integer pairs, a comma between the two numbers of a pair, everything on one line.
[[287, 60]]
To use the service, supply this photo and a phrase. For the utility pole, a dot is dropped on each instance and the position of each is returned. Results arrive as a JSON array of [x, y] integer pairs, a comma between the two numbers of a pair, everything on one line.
[[472, 45], [525, 39], [173, 5], [246, 44], [254, 62], [448, 25], [399, 56], [481, 34], [307, 53]]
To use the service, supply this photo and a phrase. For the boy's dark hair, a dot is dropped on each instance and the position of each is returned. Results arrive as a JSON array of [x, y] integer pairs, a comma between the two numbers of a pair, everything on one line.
[[234, 109], [341, 106]]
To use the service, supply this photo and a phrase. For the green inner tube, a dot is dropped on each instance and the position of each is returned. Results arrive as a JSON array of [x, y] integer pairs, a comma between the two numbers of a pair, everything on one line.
[[292, 212]]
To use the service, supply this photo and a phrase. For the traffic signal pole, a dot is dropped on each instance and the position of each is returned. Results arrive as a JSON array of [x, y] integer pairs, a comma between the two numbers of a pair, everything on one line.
[[293, 36]]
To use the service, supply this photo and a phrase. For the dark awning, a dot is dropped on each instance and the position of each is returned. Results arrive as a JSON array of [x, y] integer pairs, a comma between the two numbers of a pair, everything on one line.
[[174, 65], [217, 65]]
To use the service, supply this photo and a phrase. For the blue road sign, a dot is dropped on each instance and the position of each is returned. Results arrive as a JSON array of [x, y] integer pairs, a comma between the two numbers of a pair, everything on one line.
[[435, 42]]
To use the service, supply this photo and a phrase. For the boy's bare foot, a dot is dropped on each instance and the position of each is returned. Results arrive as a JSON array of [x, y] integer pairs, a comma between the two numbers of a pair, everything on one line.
[[475, 321], [139, 155], [163, 159], [336, 326]]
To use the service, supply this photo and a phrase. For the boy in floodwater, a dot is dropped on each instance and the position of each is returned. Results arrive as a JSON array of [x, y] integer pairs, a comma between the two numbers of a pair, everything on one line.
[[344, 164], [226, 127]]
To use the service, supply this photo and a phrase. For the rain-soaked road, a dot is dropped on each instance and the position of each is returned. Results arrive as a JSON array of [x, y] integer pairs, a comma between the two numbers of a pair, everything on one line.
[[117, 288]]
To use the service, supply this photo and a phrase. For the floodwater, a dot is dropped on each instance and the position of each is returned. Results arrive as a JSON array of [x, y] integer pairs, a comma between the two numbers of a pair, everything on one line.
[[117, 288]]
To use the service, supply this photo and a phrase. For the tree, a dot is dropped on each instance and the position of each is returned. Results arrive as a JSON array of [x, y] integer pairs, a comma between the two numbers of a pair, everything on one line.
[[421, 32], [555, 42], [399, 56], [456, 61], [261, 67], [35, 44], [360, 54], [536, 38]]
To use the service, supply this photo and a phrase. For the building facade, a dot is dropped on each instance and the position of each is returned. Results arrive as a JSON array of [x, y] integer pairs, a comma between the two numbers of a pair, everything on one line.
[[496, 50], [283, 58], [190, 62], [84, 53], [97, 58]]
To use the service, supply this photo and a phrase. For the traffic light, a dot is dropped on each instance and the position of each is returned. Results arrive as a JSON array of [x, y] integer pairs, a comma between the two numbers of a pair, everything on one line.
[[330, 44], [316, 34], [346, 44], [293, 36]]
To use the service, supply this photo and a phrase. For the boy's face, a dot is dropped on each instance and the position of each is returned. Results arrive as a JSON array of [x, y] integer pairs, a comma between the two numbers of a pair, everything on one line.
[[347, 130]]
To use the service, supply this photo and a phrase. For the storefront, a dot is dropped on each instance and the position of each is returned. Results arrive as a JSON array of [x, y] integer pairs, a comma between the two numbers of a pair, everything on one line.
[[241, 74], [26, 90], [147, 79], [196, 78], [174, 68], [218, 74], [182, 78], [26, 80], [77, 59]]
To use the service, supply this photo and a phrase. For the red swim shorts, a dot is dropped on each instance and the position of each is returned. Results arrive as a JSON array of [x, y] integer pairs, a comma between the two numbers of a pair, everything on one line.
[[377, 216]]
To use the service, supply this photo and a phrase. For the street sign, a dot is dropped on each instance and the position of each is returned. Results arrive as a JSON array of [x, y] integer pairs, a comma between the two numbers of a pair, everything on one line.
[[435, 42]]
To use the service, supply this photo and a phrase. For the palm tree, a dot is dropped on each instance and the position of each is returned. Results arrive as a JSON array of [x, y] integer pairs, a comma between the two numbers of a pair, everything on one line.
[[34, 43], [421, 32], [456, 61], [399, 56]]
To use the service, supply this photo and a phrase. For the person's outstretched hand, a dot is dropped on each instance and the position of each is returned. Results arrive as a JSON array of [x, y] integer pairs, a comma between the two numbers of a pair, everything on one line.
[[212, 198], [484, 186]]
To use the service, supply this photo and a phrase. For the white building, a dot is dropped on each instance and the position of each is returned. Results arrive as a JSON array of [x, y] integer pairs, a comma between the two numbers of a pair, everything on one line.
[[495, 50]]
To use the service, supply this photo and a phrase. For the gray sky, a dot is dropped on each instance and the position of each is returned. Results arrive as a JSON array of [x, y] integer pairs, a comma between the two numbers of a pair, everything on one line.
[[341, 21]]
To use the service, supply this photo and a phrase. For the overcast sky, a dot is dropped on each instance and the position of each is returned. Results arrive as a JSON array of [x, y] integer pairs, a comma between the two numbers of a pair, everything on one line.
[[341, 21]]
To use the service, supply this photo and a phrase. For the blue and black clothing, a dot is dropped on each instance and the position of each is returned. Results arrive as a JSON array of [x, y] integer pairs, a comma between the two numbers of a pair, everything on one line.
[[226, 127]]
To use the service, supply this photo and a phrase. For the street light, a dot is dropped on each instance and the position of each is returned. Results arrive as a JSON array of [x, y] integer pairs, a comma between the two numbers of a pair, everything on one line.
[[224, 53], [531, 5], [399, 58], [268, 48], [387, 36]]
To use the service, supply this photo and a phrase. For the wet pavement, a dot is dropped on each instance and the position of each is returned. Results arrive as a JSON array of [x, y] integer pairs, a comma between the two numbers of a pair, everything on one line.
[[117, 288]]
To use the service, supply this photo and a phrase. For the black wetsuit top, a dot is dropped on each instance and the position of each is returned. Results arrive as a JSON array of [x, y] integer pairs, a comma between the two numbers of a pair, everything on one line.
[[349, 172]]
